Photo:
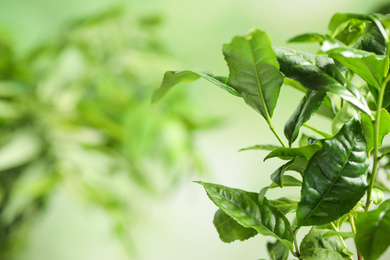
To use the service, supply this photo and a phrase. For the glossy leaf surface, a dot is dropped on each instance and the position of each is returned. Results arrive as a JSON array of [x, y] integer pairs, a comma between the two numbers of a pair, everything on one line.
[[297, 164], [315, 246], [229, 230], [172, 78], [372, 231], [254, 71], [290, 153], [368, 65], [316, 72], [335, 178], [306, 108], [245, 208]]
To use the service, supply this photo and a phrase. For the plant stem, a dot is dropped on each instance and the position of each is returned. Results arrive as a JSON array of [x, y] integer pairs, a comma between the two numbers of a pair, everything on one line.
[[341, 239], [353, 227], [296, 243], [275, 133], [376, 141]]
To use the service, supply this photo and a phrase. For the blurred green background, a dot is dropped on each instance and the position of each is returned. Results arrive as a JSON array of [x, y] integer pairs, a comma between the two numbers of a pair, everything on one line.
[[88, 169]]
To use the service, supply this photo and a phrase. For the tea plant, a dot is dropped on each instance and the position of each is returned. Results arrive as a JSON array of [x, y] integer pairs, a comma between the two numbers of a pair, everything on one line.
[[341, 174]]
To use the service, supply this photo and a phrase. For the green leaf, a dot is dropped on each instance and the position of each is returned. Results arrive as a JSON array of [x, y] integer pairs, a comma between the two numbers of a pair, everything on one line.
[[345, 114], [368, 130], [340, 22], [315, 130], [287, 180], [306, 108], [373, 41], [254, 71], [277, 250], [317, 72], [245, 208], [285, 205], [368, 65], [384, 127], [335, 178], [332, 233], [315, 246], [229, 230], [268, 147], [286, 153], [172, 78], [307, 37], [372, 231], [352, 32]]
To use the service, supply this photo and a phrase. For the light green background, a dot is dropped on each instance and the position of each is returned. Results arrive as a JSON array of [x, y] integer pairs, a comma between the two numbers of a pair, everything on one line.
[[179, 227]]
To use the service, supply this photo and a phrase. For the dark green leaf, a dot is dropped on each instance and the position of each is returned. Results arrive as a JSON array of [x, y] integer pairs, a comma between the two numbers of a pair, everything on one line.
[[317, 72], [277, 176], [373, 41], [286, 153], [372, 231], [368, 65], [307, 37], [254, 71], [335, 178], [306, 108], [298, 164], [172, 78], [245, 208], [315, 246], [268, 147], [277, 250], [229, 230]]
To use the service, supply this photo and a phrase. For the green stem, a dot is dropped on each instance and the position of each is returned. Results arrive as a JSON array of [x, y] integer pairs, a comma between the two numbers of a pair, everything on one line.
[[341, 239], [376, 141], [274, 132], [353, 227], [296, 243]]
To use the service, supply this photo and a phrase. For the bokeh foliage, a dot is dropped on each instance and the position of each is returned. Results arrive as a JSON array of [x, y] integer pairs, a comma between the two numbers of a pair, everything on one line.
[[75, 114]]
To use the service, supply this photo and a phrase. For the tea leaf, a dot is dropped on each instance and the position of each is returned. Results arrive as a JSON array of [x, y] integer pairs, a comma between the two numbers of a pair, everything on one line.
[[245, 208], [372, 231], [335, 178], [306, 108], [254, 71], [229, 230], [172, 78], [315, 246]]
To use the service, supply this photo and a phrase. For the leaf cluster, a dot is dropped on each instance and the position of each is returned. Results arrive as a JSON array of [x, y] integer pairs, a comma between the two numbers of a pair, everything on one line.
[[349, 78], [75, 117]]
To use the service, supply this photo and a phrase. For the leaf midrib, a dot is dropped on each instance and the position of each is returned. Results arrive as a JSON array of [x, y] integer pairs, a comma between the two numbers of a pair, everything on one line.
[[265, 107], [248, 214], [328, 190]]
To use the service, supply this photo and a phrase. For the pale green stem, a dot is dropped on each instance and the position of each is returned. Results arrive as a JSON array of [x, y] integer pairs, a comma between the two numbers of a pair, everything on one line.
[[353, 227], [296, 243], [275, 133], [341, 239], [376, 141]]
